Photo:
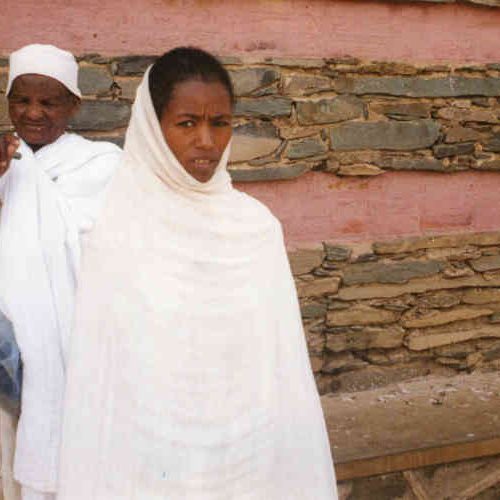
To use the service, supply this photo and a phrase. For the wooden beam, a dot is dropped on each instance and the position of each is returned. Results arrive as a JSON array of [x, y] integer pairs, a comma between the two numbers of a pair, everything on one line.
[[485, 483], [416, 485], [415, 459]]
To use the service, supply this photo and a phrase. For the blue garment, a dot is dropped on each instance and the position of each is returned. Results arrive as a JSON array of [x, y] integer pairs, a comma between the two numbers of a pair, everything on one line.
[[10, 368]]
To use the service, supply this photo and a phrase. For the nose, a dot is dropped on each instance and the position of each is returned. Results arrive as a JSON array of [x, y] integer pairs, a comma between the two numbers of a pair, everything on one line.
[[34, 112], [205, 137]]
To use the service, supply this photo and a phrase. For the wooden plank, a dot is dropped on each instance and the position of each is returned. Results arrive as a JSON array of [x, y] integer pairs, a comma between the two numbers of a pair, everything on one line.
[[423, 414], [416, 485], [416, 458], [489, 481]]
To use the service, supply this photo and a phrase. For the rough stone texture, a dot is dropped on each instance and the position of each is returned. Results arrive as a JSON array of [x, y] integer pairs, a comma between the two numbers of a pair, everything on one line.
[[3, 82], [360, 315], [402, 111], [94, 80], [103, 115], [487, 263], [385, 135], [4, 113], [301, 84], [387, 115], [304, 148], [319, 287], [264, 106], [462, 134], [399, 272], [444, 150], [361, 170], [268, 173], [337, 109], [441, 241], [133, 65], [370, 337], [420, 340], [247, 81], [468, 115], [253, 140], [305, 260], [429, 164], [456, 86], [401, 316], [417, 319], [128, 87]]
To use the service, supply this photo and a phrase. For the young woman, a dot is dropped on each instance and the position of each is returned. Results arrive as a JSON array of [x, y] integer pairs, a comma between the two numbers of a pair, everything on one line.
[[189, 376]]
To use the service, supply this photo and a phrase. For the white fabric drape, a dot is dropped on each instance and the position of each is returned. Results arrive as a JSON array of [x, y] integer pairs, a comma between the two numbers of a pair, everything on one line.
[[188, 376], [49, 198]]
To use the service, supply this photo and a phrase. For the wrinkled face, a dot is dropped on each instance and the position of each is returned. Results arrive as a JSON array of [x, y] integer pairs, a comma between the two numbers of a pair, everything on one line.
[[196, 124], [40, 109]]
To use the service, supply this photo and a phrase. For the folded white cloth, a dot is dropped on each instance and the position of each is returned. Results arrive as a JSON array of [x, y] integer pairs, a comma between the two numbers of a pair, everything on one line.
[[44, 60], [188, 376], [49, 198]]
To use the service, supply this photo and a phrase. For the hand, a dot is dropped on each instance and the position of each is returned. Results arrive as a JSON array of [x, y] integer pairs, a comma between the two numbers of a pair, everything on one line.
[[8, 146]]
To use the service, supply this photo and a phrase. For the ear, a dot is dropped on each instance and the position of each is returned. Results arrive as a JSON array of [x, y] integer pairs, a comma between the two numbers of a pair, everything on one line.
[[76, 103]]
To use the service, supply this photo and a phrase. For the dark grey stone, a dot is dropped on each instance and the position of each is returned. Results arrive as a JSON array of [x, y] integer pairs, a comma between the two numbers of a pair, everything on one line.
[[336, 253], [398, 136], [264, 106], [399, 272], [247, 81], [133, 65], [332, 110], [94, 80], [101, 115], [256, 129], [3, 82], [304, 148], [486, 263], [455, 86], [311, 311], [493, 144], [445, 150], [493, 165], [269, 173], [428, 164], [403, 111]]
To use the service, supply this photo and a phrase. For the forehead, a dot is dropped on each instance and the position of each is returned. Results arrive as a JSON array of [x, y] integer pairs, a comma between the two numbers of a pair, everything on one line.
[[196, 96], [38, 86]]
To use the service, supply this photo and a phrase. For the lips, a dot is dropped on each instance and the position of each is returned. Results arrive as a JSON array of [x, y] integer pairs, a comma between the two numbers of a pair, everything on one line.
[[204, 163]]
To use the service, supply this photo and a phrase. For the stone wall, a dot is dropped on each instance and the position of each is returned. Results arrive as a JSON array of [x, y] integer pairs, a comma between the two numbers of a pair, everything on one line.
[[395, 310], [346, 117]]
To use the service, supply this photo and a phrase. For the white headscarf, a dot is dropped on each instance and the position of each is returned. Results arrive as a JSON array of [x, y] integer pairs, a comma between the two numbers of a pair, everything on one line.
[[44, 60], [189, 375]]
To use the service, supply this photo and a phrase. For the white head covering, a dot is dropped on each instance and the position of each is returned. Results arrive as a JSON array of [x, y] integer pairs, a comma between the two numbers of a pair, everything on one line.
[[45, 60]]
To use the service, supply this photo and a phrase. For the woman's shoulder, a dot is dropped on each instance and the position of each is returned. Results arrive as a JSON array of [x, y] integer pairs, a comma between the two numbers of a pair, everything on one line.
[[255, 210]]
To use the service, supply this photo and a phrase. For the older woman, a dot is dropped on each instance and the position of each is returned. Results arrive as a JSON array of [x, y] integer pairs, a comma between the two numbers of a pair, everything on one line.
[[189, 376], [50, 193]]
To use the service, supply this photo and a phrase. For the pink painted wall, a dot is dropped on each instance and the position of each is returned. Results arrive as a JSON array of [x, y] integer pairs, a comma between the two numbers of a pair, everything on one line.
[[309, 28], [318, 206]]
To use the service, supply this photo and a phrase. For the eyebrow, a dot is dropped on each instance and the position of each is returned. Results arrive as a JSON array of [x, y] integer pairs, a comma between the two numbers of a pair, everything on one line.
[[192, 115]]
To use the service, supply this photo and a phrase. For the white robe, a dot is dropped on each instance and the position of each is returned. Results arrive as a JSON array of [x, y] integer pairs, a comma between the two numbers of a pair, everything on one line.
[[189, 377], [49, 198]]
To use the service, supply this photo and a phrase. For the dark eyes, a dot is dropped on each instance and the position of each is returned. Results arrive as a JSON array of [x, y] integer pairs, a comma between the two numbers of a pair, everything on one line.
[[26, 100], [215, 123]]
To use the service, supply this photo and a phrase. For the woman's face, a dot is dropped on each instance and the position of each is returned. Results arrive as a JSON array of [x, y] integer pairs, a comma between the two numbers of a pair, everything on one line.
[[196, 124], [40, 109]]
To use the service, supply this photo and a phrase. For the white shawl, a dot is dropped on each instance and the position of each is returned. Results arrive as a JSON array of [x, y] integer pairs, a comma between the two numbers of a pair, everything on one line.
[[189, 376], [49, 198]]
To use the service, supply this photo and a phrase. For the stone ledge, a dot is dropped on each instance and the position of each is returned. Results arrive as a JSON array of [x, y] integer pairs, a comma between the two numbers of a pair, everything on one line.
[[413, 424]]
